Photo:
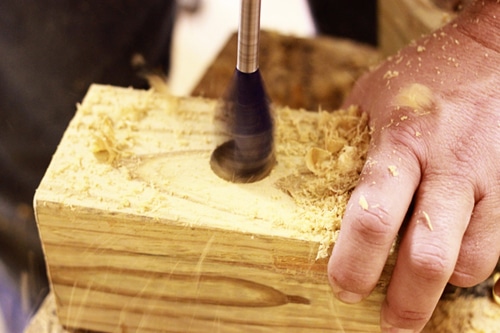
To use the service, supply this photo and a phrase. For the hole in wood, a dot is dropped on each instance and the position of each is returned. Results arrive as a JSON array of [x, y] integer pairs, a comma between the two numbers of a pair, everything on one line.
[[235, 162]]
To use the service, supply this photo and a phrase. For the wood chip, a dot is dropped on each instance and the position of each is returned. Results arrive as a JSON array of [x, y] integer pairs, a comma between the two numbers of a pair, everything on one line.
[[391, 74], [363, 203], [428, 220], [393, 170]]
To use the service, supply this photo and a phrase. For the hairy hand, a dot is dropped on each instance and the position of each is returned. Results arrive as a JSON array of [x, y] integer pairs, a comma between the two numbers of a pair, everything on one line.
[[433, 168]]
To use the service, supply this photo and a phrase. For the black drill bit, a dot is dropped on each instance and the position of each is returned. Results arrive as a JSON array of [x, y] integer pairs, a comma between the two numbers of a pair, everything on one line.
[[248, 154]]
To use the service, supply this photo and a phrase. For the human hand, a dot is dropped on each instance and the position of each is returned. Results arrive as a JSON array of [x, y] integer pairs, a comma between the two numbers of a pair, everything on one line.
[[433, 168]]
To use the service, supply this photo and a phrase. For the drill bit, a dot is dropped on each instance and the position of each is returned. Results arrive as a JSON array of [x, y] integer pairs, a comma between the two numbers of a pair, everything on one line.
[[248, 154]]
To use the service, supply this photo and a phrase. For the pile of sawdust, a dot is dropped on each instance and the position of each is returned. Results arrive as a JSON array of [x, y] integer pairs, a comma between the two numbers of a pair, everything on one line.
[[333, 146]]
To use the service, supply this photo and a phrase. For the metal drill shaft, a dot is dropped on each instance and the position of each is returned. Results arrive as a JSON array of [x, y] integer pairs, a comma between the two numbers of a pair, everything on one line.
[[248, 37]]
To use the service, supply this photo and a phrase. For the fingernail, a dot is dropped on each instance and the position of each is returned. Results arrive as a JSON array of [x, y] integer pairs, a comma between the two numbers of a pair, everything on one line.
[[348, 297], [345, 296], [397, 330], [387, 328]]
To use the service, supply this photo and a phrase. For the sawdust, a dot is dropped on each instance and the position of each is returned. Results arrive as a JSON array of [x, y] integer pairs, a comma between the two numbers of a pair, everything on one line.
[[326, 152], [465, 314], [111, 137], [336, 144], [363, 203], [417, 97], [393, 170]]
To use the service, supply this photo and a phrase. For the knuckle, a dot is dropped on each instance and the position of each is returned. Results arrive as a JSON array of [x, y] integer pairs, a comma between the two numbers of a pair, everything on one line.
[[465, 279], [374, 227], [472, 269], [432, 263], [405, 136], [463, 152], [352, 280], [413, 316], [405, 315]]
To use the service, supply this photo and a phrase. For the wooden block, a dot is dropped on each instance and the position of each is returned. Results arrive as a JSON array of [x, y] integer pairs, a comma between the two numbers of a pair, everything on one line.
[[140, 236], [401, 21]]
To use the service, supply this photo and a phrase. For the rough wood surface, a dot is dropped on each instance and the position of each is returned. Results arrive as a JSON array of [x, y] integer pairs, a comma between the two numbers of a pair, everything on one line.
[[139, 234]]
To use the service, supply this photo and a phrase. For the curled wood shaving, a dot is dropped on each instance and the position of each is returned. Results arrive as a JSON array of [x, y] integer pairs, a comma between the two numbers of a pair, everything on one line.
[[363, 203], [427, 220], [333, 147], [393, 170]]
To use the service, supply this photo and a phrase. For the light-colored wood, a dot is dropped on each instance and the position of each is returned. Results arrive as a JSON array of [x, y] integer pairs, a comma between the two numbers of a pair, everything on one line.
[[401, 21], [140, 236], [463, 314]]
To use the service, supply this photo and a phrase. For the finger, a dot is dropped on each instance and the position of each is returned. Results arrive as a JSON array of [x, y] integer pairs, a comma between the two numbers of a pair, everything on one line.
[[371, 222], [359, 92], [480, 248], [428, 251]]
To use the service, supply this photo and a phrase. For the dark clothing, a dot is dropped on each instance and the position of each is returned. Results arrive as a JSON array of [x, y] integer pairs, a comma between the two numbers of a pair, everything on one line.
[[50, 52], [354, 19]]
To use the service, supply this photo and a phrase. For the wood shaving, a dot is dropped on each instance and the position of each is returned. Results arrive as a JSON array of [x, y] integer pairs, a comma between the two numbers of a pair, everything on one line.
[[428, 220], [417, 97], [336, 143], [363, 203], [391, 74], [465, 314], [318, 160], [393, 170]]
